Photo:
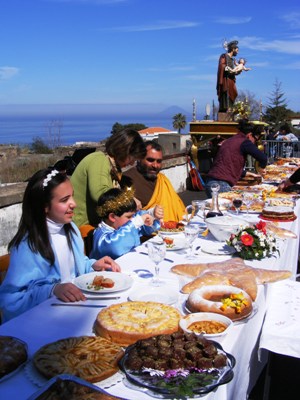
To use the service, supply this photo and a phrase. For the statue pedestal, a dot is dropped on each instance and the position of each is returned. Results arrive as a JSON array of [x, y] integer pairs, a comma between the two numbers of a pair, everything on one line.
[[225, 117]]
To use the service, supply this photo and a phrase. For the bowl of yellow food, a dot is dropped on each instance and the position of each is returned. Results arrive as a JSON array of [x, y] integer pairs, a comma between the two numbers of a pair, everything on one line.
[[207, 324]]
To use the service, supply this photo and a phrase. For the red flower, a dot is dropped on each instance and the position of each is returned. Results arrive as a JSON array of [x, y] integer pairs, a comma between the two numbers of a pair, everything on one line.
[[247, 239], [262, 226]]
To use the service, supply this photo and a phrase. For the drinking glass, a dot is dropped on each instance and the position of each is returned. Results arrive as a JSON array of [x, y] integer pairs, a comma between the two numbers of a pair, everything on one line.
[[247, 200], [191, 232], [156, 252], [237, 204]]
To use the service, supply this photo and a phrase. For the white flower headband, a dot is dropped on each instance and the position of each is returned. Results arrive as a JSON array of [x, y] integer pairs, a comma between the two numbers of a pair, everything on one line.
[[49, 177]]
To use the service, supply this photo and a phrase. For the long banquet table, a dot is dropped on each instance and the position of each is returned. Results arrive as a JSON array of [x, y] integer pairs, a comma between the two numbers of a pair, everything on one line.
[[44, 324]]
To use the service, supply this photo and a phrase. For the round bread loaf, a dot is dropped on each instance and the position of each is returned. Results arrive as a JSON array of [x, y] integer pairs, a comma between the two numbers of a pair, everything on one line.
[[226, 300], [125, 323], [278, 212]]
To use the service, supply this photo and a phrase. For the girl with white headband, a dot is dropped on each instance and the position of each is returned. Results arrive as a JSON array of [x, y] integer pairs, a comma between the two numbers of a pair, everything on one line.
[[47, 251]]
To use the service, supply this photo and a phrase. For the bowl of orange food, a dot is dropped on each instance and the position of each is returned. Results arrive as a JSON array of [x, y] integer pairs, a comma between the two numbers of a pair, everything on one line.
[[205, 323]]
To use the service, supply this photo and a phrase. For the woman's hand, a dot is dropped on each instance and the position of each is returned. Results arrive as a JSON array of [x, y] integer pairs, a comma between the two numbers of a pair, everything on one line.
[[138, 204], [68, 292], [106, 263]]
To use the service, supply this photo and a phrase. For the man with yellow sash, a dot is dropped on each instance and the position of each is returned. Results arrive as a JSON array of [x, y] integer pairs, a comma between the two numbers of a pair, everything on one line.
[[151, 186]]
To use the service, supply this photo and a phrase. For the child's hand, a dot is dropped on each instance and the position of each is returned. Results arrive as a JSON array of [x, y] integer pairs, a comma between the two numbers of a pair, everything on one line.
[[106, 263], [148, 219], [158, 212], [68, 292]]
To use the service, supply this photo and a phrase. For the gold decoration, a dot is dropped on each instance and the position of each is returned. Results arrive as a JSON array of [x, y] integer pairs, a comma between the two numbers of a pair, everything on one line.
[[114, 205], [240, 109]]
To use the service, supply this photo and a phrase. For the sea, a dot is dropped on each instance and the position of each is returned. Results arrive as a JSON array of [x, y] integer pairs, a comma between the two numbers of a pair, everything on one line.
[[68, 130]]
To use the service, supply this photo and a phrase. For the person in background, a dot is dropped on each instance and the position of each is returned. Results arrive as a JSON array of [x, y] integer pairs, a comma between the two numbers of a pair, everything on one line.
[[47, 251], [226, 87], [285, 133], [98, 172], [121, 225], [229, 163], [152, 187], [292, 180]]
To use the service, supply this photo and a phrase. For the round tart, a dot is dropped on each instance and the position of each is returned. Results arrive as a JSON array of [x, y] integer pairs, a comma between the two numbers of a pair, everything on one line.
[[125, 323], [13, 353], [90, 358]]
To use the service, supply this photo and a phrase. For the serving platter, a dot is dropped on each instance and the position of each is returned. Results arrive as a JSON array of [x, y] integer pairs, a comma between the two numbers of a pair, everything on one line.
[[154, 385], [122, 282]]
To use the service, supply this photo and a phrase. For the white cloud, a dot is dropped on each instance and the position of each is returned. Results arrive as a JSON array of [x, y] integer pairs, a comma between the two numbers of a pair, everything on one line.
[[233, 20], [157, 26], [294, 65], [8, 72], [293, 19], [279, 46]]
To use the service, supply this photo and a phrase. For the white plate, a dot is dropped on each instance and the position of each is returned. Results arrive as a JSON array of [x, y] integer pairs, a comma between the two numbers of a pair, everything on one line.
[[161, 294], [179, 243], [170, 233], [218, 249], [122, 281]]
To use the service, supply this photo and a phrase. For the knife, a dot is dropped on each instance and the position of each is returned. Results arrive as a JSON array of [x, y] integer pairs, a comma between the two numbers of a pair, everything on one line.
[[96, 297], [77, 305]]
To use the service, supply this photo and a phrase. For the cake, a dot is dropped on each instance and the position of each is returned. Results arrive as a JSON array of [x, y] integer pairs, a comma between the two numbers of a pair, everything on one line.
[[283, 213], [125, 323]]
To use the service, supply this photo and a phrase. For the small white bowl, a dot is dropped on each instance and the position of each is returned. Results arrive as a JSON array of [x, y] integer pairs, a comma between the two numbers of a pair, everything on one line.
[[185, 322]]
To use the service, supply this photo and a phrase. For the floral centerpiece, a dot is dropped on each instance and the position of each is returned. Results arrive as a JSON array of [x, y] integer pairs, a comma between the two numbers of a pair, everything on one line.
[[240, 109], [253, 242]]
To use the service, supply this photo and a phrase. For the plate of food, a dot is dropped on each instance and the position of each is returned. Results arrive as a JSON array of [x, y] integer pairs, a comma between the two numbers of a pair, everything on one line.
[[171, 228], [177, 377], [103, 282], [175, 243]]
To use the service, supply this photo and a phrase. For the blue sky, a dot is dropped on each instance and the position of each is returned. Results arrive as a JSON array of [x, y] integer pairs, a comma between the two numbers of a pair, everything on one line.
[[143, 54]]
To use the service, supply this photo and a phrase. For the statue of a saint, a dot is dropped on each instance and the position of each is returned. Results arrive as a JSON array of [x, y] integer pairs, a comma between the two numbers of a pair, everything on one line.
[[226, 87]]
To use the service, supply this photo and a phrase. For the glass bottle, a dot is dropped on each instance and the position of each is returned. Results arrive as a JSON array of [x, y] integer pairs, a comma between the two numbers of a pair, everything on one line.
[[214, 210]]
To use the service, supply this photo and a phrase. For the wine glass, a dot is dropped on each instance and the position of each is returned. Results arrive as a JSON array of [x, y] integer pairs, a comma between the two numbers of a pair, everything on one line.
[[237, 204], [191, 232], [247, 200], [156, 252]]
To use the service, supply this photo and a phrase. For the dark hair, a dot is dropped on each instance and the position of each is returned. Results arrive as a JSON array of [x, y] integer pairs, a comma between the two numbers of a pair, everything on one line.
[[232, 45], [127, 142], [154, 145], [257, 131], [285, 127], [119, 207], [245, 126], [33, 223]]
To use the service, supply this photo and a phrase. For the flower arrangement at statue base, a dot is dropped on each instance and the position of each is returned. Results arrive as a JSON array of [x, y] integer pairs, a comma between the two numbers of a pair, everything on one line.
[[253, 242]]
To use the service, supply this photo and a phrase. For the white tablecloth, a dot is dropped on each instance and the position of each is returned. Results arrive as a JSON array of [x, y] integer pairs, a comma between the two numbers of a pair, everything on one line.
[[44, 324], [281, 328]]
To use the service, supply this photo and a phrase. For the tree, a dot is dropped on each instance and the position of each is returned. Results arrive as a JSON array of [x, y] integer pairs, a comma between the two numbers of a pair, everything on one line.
[[38, 146], [119, 127], [276, 111], [179, 122]]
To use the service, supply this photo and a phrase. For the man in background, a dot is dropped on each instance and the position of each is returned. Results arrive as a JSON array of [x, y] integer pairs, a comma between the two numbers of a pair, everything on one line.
[[151, 186]]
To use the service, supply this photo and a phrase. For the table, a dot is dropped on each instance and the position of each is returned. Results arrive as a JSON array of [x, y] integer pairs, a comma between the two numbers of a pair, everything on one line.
[[44, 323]]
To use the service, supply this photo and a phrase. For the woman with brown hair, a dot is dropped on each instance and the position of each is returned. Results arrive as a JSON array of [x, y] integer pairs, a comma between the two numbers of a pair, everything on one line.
[[100, 171]]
